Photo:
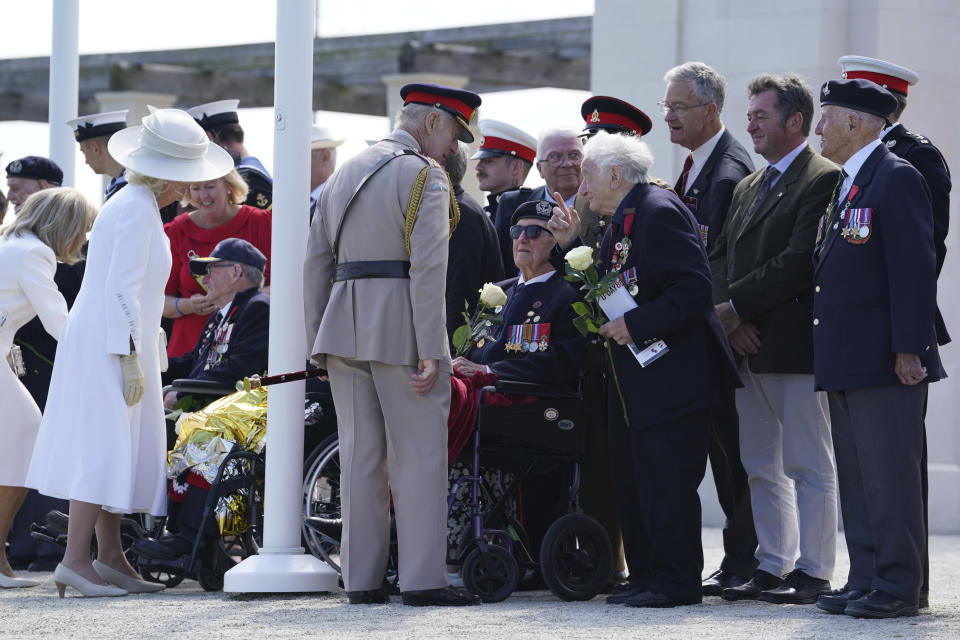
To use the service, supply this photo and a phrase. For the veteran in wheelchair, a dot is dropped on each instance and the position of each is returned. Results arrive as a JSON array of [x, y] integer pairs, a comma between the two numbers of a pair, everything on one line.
[[529, 417]]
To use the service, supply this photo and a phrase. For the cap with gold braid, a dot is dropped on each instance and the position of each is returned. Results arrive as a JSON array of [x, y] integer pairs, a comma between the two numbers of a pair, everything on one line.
[[458, 103]]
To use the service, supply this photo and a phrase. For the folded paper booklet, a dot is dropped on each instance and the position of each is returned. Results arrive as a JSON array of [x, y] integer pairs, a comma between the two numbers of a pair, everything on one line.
[[616, 302]]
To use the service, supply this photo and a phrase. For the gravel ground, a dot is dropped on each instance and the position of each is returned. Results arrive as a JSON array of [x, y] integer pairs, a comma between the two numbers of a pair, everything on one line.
[[187, 609]]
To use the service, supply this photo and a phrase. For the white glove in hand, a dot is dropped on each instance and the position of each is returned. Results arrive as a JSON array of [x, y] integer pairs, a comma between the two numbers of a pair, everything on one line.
[[133, 384]]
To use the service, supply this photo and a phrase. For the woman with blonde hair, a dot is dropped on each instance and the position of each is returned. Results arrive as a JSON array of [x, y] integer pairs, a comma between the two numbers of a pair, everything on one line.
[[102, 440], [219, 213], [52, 226]]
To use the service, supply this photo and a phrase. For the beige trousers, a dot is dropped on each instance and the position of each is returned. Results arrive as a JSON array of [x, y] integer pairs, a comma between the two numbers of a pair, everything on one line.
[[392, 442]]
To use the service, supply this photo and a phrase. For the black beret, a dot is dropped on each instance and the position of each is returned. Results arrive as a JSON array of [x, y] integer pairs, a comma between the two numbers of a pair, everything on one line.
[[539, 209], [36, 168], [860, 95], [614, 116]]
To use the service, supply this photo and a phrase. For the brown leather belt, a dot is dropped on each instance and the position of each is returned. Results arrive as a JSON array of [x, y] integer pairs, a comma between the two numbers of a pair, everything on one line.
[[371, 269]]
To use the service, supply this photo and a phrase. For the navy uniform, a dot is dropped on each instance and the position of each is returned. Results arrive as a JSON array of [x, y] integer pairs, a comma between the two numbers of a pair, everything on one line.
[[927, 159], [659, 458], [875, 297], [537, 341], [501, 139], [102, 125], [474, 259], [222, 123]]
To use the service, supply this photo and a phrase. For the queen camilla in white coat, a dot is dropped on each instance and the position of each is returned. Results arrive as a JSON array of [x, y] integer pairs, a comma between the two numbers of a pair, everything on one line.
[[52, 225], [102, 439]]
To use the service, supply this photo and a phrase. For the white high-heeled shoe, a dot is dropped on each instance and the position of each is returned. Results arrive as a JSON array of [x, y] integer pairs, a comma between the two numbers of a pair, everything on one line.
[[6, 582], [122, 580], [64, 577]]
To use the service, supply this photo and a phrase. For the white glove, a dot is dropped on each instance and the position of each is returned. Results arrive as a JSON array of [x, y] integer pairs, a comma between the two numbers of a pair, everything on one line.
[[133, 384]]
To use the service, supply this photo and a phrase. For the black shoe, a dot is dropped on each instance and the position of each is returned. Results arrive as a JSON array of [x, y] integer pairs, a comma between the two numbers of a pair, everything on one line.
[[371, 596], [57, 521], [615, 583], [924, 600], [750, 590], [719, 580], [44, 563], [626, 592], [797, 588], [655, 600], [837, 601], [166, 548], [443, 597], [880, 604]]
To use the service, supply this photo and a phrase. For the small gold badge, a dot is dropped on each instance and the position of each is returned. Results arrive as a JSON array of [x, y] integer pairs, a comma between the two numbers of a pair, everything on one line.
[[595, 116]]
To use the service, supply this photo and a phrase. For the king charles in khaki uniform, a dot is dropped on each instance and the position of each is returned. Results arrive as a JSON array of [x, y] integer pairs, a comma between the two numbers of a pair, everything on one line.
[[374, 283]]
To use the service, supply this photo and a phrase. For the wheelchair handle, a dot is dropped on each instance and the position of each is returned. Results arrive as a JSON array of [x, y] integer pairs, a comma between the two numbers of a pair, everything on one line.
[[255, 381]]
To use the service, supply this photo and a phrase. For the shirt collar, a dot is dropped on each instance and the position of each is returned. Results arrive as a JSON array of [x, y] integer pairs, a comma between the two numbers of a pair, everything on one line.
[[701, 153], [541, 278], [223, 312], [784, 163], [855, 162]]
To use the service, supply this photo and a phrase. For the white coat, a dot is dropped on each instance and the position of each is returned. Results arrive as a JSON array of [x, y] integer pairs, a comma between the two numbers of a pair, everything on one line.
[[92, 447], [27, 289]]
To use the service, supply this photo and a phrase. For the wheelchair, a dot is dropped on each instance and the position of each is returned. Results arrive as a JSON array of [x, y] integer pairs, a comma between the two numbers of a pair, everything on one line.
[[547, 427], [239, 479]]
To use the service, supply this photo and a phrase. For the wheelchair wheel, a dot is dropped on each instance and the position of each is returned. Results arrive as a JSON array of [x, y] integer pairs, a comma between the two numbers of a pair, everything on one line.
[[575, 557], [321, 499], [493, 577], [155, 574]]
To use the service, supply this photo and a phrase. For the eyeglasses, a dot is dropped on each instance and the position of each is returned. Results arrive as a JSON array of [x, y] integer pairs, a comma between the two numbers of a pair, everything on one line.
[[678, 109], [556, 159], [217, 265], [533, 231]]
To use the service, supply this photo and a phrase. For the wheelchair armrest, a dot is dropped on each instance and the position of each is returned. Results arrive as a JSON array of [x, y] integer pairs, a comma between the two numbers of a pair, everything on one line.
[[532, 388], [202, 387]]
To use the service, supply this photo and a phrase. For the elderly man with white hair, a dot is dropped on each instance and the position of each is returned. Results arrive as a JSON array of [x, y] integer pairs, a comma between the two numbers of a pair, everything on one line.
[[658, 440]]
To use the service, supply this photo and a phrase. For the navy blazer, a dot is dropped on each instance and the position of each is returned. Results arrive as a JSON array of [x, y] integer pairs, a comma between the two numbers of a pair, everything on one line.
[[538, 303], [876, 298], [243, 351], [674, 303], [927, 159], [727, 164], [474, 259]]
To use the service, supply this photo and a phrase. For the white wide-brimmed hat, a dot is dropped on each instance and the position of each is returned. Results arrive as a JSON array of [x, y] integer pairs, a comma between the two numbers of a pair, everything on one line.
[[170, 145], [321, 138]]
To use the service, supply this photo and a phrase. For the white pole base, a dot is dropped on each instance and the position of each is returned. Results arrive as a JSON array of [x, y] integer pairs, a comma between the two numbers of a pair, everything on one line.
[[283, 571]]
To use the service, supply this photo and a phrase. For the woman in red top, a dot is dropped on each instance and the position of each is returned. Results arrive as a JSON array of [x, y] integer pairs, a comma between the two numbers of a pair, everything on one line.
[[220, 213]]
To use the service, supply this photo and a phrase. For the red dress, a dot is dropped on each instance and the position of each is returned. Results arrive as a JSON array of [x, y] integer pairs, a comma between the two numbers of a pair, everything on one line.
[[250, 224]]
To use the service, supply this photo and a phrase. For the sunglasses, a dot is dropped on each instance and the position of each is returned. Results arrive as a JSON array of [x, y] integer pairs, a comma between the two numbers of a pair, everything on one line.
[[533, 231]]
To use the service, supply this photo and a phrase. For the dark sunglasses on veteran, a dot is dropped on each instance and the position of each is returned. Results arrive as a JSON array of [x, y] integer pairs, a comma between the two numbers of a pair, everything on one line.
[[533, 231]]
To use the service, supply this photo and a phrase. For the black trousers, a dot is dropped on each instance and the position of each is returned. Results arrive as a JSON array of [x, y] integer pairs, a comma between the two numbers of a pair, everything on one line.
[[657, 471], [733, 491], [878, 443]]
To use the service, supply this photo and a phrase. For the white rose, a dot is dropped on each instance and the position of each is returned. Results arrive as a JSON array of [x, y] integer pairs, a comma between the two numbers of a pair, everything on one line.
[[580, 258], [492, 296]]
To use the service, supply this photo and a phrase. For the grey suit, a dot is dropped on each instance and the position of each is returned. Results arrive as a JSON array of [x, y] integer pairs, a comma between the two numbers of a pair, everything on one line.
[[370, 333]]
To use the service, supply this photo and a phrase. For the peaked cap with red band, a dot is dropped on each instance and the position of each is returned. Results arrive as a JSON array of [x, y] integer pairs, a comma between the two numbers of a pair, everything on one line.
[[614, 116], [502, 139], [891, 77], [458, 103]]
